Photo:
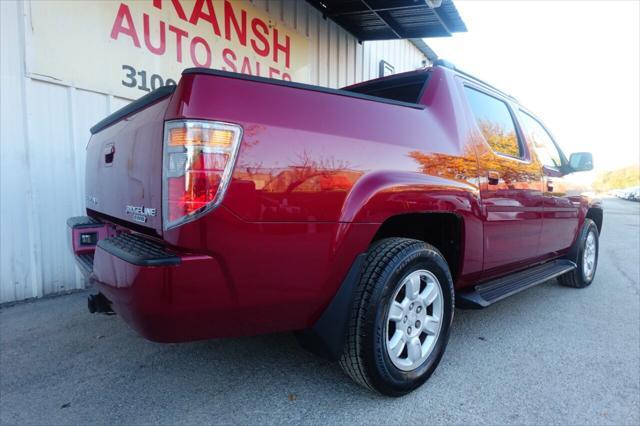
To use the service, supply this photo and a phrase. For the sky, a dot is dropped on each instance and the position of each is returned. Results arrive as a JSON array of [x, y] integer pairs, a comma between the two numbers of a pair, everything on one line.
[[575, 64]]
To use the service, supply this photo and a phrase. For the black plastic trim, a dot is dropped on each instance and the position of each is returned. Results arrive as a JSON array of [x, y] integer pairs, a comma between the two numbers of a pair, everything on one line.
[[133, 107], [139, 228], [574, 251], [138, 250], [83, 222], [326, 337], [485, 294], [339, 92]]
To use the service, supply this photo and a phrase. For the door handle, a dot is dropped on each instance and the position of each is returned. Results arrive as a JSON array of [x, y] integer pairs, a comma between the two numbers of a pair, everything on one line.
[[493, 177], [549, 185]]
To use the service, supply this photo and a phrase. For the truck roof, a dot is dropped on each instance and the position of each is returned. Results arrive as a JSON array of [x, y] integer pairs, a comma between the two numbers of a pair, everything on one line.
[[449, 65]]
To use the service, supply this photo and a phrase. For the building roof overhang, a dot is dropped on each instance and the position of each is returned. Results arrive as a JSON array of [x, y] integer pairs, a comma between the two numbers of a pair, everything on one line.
[[393, 19]]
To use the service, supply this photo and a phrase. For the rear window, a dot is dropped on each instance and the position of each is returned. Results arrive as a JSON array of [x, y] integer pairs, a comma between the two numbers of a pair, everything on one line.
[[403, 89]]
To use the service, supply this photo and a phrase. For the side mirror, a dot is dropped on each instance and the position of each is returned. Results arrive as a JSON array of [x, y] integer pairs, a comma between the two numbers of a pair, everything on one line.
[[581, 161]]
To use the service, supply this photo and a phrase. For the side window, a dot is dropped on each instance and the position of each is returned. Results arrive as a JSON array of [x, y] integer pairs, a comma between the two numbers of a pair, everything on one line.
[[495, 123], [546, 150]]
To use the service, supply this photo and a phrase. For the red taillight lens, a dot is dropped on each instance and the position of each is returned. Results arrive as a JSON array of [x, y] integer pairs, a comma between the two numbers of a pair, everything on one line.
[[199, 157]]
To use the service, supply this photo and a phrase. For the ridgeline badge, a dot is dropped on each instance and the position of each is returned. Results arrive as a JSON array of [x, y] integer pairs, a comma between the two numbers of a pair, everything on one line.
[[140, 213]]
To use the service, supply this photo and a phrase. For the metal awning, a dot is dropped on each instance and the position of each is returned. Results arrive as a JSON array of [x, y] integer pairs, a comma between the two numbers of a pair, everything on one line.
[[393, 19]]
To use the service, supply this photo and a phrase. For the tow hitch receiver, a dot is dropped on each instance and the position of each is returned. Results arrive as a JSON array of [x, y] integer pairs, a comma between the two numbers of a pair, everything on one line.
[[97, 303]]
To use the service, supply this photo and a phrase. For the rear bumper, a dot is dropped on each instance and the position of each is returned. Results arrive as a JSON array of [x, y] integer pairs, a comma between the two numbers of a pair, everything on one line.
[[164, 295], [167, 302], [245, 279]]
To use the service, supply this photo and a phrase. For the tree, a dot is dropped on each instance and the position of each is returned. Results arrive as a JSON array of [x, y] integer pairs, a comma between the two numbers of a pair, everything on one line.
[[618, 179]]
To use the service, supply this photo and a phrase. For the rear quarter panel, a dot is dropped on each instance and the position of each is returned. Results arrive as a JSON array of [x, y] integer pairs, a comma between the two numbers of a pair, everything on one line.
[[303, 151]]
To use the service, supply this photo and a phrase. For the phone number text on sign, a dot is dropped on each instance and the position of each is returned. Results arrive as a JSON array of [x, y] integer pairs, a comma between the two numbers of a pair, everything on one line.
[[141, 79]]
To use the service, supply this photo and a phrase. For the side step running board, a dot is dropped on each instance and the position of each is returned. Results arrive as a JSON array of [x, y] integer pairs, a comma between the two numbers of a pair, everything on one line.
[[490, 292]]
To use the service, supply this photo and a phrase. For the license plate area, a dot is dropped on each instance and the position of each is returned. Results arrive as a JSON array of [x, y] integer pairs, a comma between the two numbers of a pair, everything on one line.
[[85, 232]]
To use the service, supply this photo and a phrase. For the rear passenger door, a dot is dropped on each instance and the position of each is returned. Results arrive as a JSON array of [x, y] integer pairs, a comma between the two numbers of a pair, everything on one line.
[[510, 185], [560, 222]]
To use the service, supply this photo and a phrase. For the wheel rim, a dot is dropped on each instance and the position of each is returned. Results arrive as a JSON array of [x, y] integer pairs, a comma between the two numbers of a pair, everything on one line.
[[414, 320], [589, 255]]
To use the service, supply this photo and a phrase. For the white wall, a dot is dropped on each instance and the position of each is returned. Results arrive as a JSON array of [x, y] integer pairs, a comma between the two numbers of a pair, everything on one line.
[[45, 127]]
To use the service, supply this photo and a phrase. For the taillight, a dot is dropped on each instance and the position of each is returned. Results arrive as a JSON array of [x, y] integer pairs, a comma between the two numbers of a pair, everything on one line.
[[198, 162]]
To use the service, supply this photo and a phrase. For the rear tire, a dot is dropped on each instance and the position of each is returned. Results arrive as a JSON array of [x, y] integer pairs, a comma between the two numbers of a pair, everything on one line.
[[399, 323], [586, 257]]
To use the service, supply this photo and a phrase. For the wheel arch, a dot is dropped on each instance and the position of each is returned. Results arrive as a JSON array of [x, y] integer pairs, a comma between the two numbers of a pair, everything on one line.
[[572, 253], [380, 195], [442, 229], [596, 214], [409, 205], [394, 197]]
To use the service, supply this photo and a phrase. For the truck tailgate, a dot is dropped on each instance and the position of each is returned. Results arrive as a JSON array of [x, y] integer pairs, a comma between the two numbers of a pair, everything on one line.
[[124, 164]]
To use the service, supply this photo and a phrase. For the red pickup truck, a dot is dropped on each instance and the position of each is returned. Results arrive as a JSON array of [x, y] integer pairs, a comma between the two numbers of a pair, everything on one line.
[[233, 205]]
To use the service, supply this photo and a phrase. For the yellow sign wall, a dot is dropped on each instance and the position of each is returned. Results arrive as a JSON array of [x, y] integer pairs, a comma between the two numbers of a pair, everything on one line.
[[130, 47]]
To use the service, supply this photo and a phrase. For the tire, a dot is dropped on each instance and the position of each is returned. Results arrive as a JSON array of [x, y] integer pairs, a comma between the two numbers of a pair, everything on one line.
[[394, 268], [582, 277]]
